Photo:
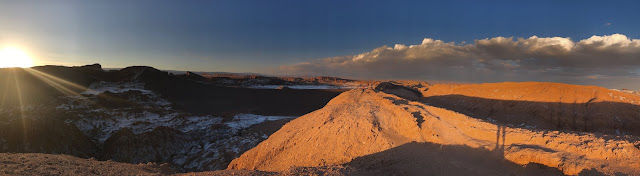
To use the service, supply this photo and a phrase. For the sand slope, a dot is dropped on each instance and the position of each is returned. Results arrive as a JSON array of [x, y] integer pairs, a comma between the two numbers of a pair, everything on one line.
[[360, 122]]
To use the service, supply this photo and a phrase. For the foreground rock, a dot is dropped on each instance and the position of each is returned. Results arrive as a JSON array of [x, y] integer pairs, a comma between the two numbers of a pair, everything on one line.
[[374, 130], [47, 164]]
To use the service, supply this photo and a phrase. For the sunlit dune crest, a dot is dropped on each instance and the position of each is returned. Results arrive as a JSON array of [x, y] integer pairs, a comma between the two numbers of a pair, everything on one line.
[[14, 57]]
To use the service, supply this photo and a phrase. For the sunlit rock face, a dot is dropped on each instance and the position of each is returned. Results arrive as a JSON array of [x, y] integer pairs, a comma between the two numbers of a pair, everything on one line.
[[372, 129]]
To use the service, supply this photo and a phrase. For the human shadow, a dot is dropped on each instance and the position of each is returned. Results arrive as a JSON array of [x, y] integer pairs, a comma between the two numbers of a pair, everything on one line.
[[501, 135]]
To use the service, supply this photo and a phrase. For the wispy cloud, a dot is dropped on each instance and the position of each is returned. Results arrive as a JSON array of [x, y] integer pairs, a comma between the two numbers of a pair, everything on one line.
[[535, 58]]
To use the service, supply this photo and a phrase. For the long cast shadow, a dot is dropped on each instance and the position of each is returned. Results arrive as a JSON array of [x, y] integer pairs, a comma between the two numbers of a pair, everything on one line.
[[612, 118], [435, 159]]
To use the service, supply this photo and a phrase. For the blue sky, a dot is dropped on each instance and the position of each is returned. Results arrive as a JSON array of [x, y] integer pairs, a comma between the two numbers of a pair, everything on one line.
[[249, 35], [255, 36]]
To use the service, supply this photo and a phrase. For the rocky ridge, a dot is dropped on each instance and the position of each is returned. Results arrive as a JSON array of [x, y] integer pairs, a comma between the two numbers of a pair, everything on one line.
[[138, 115], [361, 123]]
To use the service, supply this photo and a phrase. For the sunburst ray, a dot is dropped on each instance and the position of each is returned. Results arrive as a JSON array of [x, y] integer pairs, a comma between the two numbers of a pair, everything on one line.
[[64, 86]]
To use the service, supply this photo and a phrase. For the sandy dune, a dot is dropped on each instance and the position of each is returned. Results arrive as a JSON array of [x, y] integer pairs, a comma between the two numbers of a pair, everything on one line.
[[369, 122]]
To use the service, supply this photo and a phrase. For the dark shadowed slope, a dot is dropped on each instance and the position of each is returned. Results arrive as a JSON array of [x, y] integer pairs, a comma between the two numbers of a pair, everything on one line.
[[140, 114], [41, 85], [552, 106], [436, 159]]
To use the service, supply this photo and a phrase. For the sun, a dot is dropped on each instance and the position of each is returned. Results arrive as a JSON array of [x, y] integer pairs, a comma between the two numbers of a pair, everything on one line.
[[14, 57]]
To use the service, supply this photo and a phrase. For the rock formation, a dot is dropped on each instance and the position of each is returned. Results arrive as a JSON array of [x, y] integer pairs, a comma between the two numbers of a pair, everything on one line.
[[361, 123], [551, 106], [139, 114]]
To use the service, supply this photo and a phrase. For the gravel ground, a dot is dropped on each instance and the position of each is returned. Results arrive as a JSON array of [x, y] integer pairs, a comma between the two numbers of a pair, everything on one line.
[[47, 164]]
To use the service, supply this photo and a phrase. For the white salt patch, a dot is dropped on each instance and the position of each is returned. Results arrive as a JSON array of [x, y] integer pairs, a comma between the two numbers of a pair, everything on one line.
[[301, 87], [242, 121], [102, 86], [143, 122]]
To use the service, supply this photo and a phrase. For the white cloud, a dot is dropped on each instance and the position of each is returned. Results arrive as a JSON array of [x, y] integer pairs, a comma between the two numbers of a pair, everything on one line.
[[610, 41], [535, 43], [492, 59]]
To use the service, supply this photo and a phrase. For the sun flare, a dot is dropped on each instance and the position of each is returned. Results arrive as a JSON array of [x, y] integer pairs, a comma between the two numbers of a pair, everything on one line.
[[14, 57]]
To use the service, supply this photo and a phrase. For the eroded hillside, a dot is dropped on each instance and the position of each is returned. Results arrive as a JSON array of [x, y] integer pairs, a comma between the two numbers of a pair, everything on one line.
[[552, 106], [141, 114], [380, 122]]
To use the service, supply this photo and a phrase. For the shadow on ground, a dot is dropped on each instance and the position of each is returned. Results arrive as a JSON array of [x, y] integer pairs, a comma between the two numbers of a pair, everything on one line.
[[605, 117], [434, 159]]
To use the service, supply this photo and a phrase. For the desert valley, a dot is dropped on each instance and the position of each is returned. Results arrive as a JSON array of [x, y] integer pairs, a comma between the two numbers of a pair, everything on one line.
[[142, 121], [335, 88]]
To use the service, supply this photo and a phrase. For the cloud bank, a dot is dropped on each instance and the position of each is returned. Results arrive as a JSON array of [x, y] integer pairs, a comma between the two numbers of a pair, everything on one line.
[[599, 60]]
